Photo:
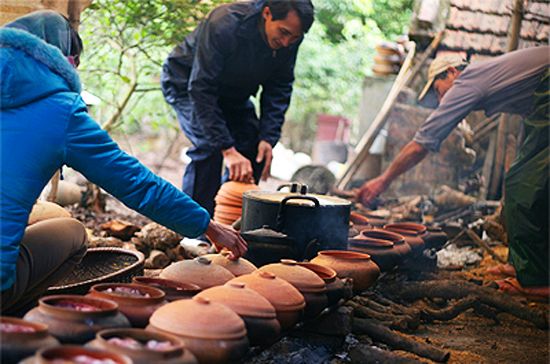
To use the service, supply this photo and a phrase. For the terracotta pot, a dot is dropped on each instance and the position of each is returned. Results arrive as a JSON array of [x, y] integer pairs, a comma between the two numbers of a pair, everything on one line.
[[173, 290], [337, 288], [175, 353], [70, 325], [435, 238], [212, 331], [413, 236], [237, 267], [287, 300], [358, 219], [357, 266], [399, 243], [308, 283], [68, 353], [20, 339], [137, 308], [381, 251], [258, 314], [199, 271]]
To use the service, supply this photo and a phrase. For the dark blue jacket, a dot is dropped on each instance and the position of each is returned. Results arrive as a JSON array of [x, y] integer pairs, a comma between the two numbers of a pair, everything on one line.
[[219, 66], [44, 124]]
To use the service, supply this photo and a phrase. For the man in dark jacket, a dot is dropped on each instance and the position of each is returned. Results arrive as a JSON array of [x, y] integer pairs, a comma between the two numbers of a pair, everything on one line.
[[209, 79]]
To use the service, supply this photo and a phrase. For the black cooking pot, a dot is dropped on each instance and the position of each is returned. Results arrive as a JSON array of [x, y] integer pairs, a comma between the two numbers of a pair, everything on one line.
[[314, 222]]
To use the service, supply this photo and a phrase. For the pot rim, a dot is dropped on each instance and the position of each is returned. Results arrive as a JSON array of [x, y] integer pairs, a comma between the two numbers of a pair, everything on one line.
[[103, 354], [156, 294], [40, 329], [172, 285], [324, 200], [176, 349], [345, 254], [383, 235], [106, 307], [407, 227], [330, 274]]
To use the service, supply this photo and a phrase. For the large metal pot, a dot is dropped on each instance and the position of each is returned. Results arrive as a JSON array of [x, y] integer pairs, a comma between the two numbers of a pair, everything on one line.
[[314, 222]]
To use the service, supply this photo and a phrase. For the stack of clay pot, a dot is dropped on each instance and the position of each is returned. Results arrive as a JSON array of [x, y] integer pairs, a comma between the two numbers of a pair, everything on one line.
[[388, 58], [229, 201]]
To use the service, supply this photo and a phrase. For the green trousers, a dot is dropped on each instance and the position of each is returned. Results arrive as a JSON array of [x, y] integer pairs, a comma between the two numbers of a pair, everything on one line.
[[526, 196]]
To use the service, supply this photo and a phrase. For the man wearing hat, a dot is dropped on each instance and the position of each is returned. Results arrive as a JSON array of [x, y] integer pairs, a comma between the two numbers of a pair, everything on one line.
[[517, 83]]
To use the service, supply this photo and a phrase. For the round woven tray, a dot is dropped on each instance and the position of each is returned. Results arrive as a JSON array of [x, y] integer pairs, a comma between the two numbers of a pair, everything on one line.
[[101, 265]]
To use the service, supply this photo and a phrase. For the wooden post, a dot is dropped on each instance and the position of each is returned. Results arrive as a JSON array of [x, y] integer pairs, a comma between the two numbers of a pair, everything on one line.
[[513, 40]]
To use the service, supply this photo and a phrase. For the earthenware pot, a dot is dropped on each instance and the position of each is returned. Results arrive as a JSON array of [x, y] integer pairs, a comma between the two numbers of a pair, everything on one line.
[[357, 266], [213, 332], [258, 314], [69, 353], [236, 267], [381, 251], [173, 290], [137, 302], [399, 243], [412, 233], [287, 300], [20, 338], [435, 238], [76, 319], [199, 271], [136, 344], [308, 283], [337, 288]]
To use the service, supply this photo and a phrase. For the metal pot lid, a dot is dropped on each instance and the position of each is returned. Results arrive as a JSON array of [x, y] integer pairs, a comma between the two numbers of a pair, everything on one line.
[[277, 197]]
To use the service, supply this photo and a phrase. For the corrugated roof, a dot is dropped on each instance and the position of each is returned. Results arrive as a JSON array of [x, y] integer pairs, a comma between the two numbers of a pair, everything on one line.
[[482, 26]]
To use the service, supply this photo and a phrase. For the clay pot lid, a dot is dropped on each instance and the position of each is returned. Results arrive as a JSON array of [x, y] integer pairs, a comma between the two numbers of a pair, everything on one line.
[[242, 300], [408, 228], [344, 255], [302, 278], [226, 201], [236, 267], [199, 318], [228, 209], [199, 271], [381, 234], [154, 293], [233, 197], [67, 353], [327, 274], [33, 328], [236, 189], [281, 294]]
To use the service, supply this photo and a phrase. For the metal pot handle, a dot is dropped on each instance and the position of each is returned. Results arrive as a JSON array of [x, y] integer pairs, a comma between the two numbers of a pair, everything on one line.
[[294, 187], [282, 207]]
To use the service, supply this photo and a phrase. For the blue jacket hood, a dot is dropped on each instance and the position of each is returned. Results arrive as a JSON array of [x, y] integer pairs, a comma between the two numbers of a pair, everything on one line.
[[31, 69]]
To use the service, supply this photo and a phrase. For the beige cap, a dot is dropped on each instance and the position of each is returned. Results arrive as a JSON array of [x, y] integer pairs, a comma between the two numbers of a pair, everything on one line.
[[440, 65]]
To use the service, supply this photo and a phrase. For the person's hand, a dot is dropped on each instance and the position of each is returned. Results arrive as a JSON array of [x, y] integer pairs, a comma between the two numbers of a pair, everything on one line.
[[371, 189], [265, 153], [226, 237], [240, 168]]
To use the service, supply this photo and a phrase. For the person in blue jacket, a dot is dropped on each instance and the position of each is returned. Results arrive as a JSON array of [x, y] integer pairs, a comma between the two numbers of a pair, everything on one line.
[[210, 77], [44, 124]]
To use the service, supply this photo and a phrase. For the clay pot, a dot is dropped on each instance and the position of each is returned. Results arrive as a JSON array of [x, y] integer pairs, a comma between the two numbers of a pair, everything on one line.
[[357, 266], [137, 308], [20, 339], [434, 238], [212, 331], [381, 251], [175, 353], [308, 283], [411, 233], [70, 325], [173, 290], [287, 300], [68, 353], [199, 271], [258, 314], [337, 288], [237, 267], [398, 240], [358, 219]]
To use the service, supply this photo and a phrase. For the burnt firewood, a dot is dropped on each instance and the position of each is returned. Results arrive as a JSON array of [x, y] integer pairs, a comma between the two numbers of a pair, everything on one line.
[[449, 289], [398, 322], [395, 340], [371, 354], [449, 313]]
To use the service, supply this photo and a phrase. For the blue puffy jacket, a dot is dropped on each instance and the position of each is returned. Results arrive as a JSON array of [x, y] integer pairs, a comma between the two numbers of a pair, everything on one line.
[[44, 124]]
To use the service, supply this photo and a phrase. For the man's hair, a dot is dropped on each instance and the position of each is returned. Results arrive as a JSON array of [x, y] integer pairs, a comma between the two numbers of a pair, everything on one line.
[[304, 8], [443, 75]]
